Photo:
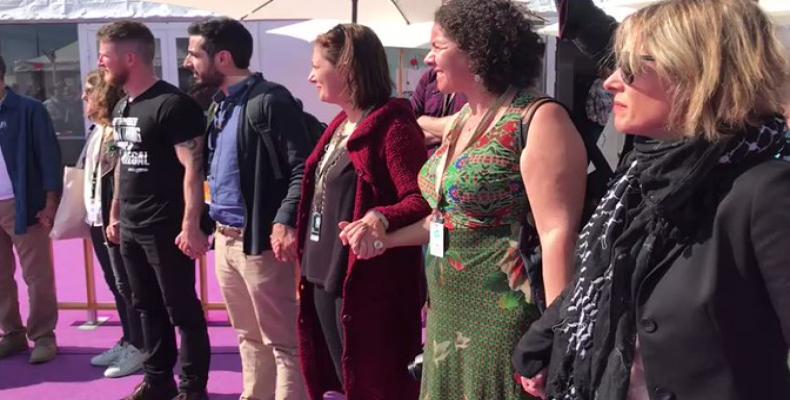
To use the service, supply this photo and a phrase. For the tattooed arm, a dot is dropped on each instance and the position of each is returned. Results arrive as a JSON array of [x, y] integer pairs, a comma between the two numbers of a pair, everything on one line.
[[192, 241]]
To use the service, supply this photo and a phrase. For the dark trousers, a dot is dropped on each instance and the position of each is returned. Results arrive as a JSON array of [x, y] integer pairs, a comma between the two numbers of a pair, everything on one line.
[[118, 282], [328, 307], [163, 291]]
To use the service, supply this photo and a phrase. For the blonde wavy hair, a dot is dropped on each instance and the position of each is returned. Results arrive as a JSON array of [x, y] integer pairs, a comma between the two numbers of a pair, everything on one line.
[[722, 60], [104, 97]]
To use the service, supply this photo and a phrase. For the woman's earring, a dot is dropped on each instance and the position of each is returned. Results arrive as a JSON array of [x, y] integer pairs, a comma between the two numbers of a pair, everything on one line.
[[478, 78]]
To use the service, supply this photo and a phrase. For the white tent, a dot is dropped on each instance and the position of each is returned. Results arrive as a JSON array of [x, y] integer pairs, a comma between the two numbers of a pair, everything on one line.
[[778, 10], [412, 36], [67, 58], [368, 11], [74, 10]]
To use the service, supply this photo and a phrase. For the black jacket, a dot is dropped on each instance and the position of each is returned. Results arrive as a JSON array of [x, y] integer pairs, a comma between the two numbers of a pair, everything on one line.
[[592, 31], [272, 128], [589, 27], [713, 317]]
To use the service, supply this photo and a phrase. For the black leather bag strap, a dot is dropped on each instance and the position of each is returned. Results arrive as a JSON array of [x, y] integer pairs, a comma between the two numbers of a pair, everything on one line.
[[272, 149]]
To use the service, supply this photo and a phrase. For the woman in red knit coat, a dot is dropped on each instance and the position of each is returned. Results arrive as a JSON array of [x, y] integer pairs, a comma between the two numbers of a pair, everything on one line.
[[359, 322]]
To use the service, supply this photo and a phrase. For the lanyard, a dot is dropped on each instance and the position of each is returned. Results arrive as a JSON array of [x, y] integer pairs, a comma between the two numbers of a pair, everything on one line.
[[97, 166], [339, 140], [336, 142], [332, 153], [455, 133]]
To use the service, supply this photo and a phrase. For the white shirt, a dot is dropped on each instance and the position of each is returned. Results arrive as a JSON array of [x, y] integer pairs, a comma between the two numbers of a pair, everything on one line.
[[92, 193], [6, 187]]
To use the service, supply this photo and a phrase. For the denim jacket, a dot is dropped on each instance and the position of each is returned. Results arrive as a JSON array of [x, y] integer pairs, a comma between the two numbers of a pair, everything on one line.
[[32, 155]]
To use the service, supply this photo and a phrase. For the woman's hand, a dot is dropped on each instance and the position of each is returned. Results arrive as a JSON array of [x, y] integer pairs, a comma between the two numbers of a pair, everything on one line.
[[535, 386], [364, 236]]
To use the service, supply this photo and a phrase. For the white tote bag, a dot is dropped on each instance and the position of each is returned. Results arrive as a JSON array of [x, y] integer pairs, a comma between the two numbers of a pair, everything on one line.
[[70, 217]]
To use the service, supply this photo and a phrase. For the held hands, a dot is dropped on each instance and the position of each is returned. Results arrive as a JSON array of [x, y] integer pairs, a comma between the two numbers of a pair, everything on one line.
[[366, 236], [192, 242], [535, 386], [283, 239]]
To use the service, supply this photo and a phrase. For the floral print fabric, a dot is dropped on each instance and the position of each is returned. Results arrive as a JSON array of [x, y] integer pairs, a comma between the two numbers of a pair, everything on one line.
[[480, 301]]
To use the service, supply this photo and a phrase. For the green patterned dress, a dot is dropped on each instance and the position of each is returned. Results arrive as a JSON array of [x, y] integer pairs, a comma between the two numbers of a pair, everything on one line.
[[480, 303]]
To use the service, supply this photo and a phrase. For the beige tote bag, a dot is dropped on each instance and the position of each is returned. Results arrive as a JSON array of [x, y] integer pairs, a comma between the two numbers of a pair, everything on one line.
[[70, 218]]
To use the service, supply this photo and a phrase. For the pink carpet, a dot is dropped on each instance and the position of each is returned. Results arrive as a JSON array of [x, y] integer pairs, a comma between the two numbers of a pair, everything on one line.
[[71, 377]]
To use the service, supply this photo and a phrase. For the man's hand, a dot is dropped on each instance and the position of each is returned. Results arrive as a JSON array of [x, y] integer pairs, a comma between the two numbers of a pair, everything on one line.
[[46, 217], [192, 242], [114, 232], [283, 241]]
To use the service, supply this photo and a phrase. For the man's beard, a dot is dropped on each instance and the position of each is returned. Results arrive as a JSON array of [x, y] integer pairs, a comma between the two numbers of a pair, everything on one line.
[[118, 78], [212, 77]]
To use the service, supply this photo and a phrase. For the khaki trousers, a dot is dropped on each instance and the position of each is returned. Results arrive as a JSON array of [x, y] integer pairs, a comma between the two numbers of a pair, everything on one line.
[[260, 294], [35, 257]]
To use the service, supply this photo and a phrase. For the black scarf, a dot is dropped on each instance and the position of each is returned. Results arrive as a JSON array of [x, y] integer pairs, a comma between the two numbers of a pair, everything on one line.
[[652, 206]]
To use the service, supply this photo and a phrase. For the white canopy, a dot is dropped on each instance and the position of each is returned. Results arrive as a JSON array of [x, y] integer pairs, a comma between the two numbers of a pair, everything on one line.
[[778, 10], [391, 34], [399, 35], [369, 11], [67, 58], [75, 10]]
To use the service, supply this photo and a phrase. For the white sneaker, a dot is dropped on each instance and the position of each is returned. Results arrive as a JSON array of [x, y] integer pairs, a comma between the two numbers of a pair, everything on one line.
[[131, 361], [108, 357]]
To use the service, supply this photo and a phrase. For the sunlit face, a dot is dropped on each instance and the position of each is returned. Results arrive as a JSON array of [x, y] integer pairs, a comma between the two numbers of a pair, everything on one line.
[[642, 104], [331, 85], [116, 60], [452, 66], [203, 67], [86, 97]]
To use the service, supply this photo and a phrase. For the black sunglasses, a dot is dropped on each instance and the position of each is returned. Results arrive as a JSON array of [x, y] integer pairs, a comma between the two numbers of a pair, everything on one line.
[[626, 72]]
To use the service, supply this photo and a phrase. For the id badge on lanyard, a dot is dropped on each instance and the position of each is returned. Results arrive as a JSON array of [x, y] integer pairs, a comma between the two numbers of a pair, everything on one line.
[[437, 236], [315, 227], [438, 232]]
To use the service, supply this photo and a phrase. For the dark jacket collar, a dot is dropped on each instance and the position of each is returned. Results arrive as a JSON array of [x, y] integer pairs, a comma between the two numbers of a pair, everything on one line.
[[239, 89], [11, 99]]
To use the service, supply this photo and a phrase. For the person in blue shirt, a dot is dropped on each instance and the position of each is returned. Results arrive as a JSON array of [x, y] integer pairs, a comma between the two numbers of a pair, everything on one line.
[[30, 186], [254, 187]]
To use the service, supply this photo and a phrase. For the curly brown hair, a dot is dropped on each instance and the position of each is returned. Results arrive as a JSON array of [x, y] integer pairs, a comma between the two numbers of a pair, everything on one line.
[[498, 37], [103, 95]]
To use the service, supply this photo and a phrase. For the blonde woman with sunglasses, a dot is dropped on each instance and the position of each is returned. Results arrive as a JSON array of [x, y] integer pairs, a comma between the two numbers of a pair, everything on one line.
[[683, 287]]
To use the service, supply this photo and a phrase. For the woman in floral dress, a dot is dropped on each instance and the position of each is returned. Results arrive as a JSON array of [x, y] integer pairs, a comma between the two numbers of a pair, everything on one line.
[[480, 301]]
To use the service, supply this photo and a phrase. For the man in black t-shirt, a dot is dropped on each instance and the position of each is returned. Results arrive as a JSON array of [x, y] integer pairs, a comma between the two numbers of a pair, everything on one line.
[[156, 211]]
